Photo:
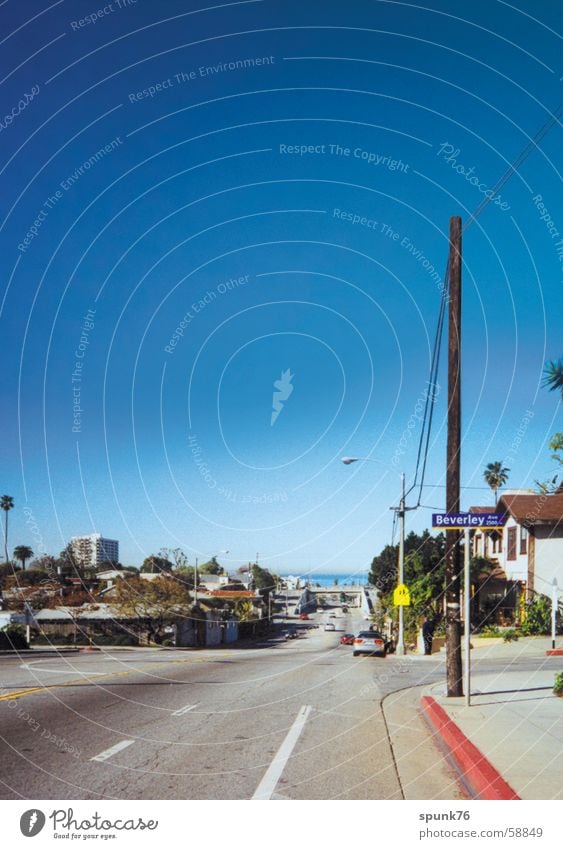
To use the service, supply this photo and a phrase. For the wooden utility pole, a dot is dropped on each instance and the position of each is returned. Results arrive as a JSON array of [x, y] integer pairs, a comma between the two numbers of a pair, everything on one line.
[[453, 612]]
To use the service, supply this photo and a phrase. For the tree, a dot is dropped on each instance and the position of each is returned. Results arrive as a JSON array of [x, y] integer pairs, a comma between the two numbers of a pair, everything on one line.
[[175, 555], [22, 553], [384, 569], [263, 580], [553, 375], [72, 598], [8, 570], [107, 566], [538, 616], [186, 575], [22, 595], [556, 447], [480, 569], [244, 610], [153, 604], [424, 574], [212, 567], [153, 564], [496, 476], [6, 503]]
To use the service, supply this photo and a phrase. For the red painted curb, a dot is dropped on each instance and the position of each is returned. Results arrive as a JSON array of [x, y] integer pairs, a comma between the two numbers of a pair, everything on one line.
[[555, 652], [476, 770]]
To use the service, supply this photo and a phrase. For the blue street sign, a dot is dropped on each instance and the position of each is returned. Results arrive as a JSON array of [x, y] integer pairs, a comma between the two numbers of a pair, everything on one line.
[[459, 521]]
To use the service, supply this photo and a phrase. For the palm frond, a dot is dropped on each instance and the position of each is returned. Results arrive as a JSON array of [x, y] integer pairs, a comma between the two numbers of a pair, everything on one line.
[[553, 375]]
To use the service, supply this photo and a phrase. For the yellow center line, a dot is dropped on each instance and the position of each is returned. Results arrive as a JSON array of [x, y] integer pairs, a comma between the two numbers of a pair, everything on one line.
[[21, 693]]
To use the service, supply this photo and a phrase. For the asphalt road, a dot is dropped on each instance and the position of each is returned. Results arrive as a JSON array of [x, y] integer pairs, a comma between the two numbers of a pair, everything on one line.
[[300, 719]]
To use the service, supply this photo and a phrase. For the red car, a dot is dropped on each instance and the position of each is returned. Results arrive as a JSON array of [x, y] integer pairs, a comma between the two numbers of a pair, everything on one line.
[[304, 616], [347, 640]]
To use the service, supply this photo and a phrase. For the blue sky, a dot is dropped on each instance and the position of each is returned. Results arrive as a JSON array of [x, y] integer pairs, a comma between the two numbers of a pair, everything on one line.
[[178, 232]]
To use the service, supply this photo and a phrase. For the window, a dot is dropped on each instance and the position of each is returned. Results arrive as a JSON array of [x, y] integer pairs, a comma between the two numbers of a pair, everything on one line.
[[523, 540], [511, 544]]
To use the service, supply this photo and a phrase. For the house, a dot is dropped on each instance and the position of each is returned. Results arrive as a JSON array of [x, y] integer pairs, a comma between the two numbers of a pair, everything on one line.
[[290, 582], [110, 576], [212, 582], [242, 576], [532, 549], [528, 549]]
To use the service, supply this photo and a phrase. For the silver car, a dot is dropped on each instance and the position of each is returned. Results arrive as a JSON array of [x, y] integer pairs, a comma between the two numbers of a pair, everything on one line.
[[369, 642]]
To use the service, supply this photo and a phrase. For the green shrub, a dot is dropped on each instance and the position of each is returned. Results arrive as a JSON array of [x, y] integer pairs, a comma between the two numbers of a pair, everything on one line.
[[13, 638], [538, 617], [167, 642], [510, 636], [558, 687], [126, 640], [490, 631]]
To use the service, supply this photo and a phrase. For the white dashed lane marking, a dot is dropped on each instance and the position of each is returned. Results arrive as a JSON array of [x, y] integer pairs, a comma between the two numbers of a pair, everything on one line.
[[273, 774], [108, 753], [181, 711]]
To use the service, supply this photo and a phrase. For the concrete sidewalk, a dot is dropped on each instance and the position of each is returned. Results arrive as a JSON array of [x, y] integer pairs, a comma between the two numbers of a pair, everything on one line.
[[509, 742]]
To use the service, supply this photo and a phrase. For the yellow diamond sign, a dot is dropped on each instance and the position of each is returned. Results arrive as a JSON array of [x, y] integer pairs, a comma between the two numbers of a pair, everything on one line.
[[402, 596]]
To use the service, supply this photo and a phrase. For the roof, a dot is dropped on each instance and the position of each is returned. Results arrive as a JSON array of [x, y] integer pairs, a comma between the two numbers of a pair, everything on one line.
[[69, 614], [115, 573], [232, 594], [535, 509]]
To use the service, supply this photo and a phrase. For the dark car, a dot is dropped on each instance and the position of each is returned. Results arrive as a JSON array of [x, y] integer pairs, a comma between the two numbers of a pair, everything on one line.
[[347, 640], [370, 642]]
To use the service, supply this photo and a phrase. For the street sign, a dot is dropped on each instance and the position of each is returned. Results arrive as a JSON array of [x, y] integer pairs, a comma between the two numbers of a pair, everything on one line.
[[401, 596], [460, 521]]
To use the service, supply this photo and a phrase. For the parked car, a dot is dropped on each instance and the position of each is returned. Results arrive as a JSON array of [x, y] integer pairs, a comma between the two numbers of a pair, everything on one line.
[[303, 615], [330, 626], [369, 642], [347, 640]]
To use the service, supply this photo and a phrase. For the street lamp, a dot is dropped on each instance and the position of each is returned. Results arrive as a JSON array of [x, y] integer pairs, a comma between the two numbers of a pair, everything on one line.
[[401, 513]]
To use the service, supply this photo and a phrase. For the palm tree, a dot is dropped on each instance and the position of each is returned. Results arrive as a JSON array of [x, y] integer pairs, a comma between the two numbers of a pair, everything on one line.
[[23, 553], [6, 503], [553, 375], [496, 476]]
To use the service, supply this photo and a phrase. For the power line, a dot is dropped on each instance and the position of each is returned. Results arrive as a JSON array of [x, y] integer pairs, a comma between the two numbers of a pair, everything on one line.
[[435, 362], [513, 168], [443, 486], [430, 395]]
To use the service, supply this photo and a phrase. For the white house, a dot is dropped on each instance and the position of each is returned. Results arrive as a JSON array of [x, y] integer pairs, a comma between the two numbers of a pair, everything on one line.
[[213, 582], [529, 548]]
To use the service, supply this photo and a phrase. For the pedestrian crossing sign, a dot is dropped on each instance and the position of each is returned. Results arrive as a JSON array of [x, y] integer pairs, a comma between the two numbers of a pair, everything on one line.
[[402, 596]]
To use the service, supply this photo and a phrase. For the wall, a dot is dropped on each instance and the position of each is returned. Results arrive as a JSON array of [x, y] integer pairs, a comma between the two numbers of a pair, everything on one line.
[[230, 631], [549, 558], [516, 570], [213, 630]]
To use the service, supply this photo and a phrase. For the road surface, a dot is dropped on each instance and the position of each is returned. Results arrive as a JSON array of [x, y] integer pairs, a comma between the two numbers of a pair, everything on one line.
[[297, 719]]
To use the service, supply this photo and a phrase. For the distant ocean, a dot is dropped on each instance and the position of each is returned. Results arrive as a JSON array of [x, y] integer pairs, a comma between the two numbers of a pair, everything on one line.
[[328, 580]]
